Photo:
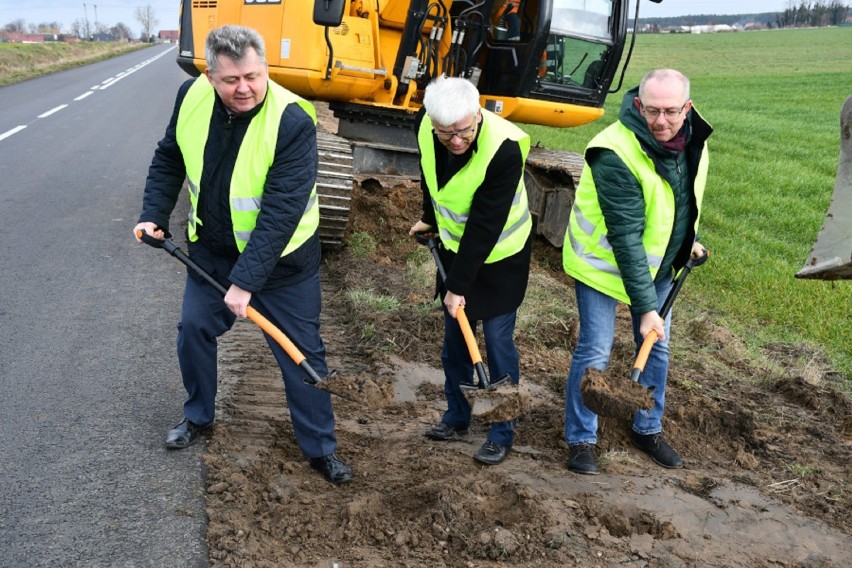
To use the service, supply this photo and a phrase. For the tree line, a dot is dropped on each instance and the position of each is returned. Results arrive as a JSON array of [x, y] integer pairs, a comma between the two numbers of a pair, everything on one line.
[[799, 13], [84, 29], [813, 13]]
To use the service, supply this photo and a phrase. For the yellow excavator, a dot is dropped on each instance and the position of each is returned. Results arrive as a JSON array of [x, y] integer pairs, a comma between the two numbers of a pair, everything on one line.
[[547, 62]]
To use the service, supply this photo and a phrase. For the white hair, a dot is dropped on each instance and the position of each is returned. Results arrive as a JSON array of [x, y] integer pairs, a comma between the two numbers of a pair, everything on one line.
[[450, 99]]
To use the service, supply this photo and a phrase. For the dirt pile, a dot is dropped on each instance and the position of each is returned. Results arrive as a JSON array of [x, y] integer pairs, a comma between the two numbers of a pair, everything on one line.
[[766, 442]]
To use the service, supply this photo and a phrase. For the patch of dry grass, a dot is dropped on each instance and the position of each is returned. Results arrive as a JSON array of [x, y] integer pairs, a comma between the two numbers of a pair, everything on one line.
[[21, 61]]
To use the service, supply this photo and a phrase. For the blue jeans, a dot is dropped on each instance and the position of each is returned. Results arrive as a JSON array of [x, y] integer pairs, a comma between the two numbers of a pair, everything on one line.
[[458, 368], [295, 310], [594, 345]]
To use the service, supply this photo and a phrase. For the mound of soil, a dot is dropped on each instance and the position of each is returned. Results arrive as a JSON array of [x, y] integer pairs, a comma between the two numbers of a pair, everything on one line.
[[766, 442]]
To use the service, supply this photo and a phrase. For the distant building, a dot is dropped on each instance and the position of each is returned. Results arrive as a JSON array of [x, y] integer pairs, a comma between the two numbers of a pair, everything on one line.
[[18, 37], [167, 36]]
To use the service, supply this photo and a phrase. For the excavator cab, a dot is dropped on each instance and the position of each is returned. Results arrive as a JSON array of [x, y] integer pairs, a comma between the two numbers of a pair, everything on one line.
[[565, 50]]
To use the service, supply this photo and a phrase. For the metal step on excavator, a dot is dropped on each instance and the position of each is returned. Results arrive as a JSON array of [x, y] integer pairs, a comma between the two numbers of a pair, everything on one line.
[[831, 256]]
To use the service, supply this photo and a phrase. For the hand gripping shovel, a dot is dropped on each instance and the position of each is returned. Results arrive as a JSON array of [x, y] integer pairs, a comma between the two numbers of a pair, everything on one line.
[[351, 389], [615, 397], [501, 400]]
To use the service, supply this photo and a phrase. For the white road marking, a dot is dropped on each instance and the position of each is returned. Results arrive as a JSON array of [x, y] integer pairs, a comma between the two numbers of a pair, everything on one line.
[[83, 96], [10, 132], [51, 111]]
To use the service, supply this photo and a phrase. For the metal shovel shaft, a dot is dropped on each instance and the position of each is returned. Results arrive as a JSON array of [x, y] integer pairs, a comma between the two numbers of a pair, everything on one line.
[[651, 337]]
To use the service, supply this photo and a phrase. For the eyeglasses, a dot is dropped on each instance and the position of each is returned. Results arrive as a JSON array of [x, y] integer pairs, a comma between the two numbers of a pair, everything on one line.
[[670, 113], [463, 134]]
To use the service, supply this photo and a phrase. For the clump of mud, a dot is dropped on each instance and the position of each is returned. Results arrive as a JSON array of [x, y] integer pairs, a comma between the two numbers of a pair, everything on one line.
[[360, 388], [500, 404], [616, 397]]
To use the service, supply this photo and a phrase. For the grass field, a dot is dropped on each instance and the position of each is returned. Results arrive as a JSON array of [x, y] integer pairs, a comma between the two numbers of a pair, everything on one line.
[[774, 99]]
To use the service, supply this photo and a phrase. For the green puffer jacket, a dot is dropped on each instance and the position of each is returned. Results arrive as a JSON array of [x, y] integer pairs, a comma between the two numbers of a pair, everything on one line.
[[622, 203]]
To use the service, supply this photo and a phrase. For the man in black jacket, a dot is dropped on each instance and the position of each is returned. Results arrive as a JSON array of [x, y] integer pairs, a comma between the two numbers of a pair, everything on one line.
[[472, 164], [247, 150]]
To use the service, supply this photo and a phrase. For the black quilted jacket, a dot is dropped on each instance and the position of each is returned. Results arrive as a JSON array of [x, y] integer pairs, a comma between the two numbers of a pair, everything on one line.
[[289, 182]]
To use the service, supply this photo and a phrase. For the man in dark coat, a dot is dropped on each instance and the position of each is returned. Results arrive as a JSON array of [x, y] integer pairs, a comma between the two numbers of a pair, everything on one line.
[[472, 164], [247, 150]]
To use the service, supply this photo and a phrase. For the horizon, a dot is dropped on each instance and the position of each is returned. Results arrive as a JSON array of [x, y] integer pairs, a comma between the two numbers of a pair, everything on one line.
[[63, 12]]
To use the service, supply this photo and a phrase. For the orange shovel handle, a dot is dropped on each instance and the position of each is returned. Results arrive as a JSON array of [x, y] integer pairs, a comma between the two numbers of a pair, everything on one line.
[[469, 338], [275, 334], [642, 357]]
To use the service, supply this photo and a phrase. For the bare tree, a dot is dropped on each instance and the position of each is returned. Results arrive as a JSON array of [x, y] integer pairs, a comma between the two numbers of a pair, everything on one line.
[[120, 32], [77, 29], [19, 25], [145, 16], [48, 28]]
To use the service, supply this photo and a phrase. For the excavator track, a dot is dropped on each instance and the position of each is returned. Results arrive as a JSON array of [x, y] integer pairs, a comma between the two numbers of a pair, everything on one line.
[[551, 177], [334, 187]]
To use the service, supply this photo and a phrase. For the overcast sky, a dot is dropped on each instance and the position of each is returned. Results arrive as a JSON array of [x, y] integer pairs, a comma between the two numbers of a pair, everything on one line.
[[110, 12]]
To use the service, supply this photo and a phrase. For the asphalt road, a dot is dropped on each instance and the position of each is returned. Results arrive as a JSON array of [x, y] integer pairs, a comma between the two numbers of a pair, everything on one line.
[[89, 384]]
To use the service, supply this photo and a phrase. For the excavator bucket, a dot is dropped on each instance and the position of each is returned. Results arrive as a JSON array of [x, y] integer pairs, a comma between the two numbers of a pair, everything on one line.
[[831, 256]]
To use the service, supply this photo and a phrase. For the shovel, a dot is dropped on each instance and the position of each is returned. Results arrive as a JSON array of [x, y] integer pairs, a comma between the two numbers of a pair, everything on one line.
[[618, 398], [499, 404], [351, 389]]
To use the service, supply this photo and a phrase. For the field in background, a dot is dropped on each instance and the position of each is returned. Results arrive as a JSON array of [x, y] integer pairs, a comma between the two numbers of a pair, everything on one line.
[[774, 100]]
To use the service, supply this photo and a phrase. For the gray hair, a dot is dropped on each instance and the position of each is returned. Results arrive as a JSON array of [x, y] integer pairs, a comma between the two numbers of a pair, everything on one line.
[[663, 75], [450, 99], [232, 42]]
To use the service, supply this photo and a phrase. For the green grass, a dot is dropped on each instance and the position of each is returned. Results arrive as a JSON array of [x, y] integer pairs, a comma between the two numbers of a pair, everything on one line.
[[774, 99]]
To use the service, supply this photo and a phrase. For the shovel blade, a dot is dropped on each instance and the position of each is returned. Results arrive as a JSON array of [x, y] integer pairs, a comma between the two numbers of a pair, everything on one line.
[[360, 388], [614, 397], [500, 404]]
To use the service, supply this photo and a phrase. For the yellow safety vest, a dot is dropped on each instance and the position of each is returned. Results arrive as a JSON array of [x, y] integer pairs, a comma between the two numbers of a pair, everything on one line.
[[254, 159], [587, 255], [452, 203]]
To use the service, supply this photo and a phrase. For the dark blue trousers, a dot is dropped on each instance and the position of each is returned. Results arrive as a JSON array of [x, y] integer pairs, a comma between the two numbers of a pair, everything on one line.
[[502, 358], [294, 309]]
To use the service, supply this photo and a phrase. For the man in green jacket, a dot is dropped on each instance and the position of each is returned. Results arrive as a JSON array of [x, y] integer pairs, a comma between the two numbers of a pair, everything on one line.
[[633, 224]]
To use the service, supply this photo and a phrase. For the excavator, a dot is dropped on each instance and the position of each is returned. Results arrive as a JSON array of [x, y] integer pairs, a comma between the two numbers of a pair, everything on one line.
[[545, 62]]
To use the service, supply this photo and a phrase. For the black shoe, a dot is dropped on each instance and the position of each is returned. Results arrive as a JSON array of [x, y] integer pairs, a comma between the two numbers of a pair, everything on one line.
[[184, 434], [659, 450], [581, 459], [333, 469], [491, 453], [444, 432]]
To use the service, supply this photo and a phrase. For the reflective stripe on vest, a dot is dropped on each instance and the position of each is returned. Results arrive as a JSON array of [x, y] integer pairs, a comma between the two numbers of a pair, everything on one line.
[[587, 255], [452, 203], [254, 159]]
